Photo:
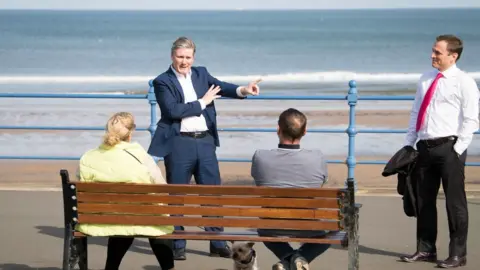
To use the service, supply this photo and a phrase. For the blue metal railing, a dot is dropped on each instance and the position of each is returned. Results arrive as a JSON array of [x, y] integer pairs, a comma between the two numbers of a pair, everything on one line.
[[352, 99]]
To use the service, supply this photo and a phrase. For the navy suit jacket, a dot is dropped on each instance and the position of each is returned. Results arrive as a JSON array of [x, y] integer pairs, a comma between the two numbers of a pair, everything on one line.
[[173, 109]]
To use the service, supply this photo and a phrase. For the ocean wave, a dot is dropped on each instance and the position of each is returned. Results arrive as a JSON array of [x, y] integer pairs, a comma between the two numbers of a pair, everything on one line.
[[284, 78], [72, 79], [335, 77]]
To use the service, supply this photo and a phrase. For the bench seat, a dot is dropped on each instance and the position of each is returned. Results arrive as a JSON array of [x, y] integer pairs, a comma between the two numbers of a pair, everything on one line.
[[240, 209]]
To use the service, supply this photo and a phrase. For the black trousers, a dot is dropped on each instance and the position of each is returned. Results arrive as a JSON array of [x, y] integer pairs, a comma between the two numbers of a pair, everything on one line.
[[440, 163], [118, 247]]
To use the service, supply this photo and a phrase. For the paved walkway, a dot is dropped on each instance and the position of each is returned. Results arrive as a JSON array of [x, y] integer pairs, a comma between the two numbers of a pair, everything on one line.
[[31, 233]]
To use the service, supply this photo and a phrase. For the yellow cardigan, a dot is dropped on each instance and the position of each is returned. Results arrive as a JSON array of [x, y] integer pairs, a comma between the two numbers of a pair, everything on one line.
[[114, 164]]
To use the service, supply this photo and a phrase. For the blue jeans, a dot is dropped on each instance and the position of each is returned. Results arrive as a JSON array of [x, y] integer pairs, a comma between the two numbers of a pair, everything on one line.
[[283, 250], [308, 251]]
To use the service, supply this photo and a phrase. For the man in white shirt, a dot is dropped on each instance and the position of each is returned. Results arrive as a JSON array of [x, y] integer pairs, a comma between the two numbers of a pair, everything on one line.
[[186, 135], [444, 117]]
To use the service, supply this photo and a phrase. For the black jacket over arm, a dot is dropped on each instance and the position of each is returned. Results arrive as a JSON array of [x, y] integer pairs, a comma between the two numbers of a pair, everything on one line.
[[402, 164]]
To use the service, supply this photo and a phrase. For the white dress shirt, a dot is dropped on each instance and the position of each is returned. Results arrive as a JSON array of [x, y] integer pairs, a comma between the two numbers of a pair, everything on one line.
[[193, 123], [453, 109]]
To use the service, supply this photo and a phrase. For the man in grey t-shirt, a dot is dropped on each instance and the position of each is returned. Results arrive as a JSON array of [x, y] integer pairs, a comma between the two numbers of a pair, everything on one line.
[[290, 166]]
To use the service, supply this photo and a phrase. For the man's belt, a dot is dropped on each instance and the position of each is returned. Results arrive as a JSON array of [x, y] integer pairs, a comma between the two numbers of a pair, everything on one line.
[[438, 141], [196, 134]]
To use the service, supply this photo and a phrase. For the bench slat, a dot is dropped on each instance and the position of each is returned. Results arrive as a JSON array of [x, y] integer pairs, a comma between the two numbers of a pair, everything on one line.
[[337, 237], [208, 210], [209, 200], [209, 221], [210, 190]]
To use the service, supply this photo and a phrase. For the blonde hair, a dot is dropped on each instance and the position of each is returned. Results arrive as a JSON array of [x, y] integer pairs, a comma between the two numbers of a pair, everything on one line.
[[119, 128]]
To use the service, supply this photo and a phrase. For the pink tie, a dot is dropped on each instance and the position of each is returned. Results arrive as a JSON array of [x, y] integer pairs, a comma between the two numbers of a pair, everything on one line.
[[426, 101]]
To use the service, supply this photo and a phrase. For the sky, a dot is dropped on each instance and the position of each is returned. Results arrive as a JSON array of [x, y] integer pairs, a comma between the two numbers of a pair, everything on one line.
[[230, 4]]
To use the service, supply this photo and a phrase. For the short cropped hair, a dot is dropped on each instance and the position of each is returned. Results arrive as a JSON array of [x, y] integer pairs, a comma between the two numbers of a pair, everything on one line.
[[183, 42], [292, 124], [454, 44]]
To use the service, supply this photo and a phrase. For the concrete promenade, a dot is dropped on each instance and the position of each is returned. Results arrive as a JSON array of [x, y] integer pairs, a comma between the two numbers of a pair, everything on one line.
[[31, 233]]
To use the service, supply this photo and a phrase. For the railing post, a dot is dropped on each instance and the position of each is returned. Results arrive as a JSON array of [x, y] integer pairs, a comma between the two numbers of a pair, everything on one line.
[[352, 99], [153, 108]]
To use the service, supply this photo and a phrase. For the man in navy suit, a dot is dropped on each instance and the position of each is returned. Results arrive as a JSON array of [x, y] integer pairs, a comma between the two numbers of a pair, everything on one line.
[[186, 135]]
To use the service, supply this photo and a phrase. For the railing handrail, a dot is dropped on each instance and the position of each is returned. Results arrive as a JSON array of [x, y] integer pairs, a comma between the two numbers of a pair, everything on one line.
[[352, 98], [310, 130], [144, 96]]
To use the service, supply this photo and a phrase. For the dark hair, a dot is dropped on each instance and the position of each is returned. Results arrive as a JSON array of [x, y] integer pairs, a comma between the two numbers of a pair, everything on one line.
[[454, 44], [292, 124]]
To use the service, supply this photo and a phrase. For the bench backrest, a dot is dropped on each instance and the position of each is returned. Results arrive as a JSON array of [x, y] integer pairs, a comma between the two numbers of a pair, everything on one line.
[[202, 205]]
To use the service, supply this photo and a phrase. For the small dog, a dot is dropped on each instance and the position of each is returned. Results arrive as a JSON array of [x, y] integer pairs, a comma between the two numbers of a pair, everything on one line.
[[244, 256]]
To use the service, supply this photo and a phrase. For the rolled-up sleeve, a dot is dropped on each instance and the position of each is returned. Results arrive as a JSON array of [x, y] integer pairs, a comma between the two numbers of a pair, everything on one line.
[[470, 99], [412, 135]]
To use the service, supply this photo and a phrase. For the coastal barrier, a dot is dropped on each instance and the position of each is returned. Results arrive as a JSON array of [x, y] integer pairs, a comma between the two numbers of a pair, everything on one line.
[[352, 98]]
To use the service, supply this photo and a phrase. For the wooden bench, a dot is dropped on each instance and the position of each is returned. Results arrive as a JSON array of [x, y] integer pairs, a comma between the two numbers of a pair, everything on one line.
[[249, 207]]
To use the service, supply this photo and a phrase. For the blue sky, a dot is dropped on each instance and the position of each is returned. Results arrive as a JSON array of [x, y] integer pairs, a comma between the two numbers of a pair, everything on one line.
[[230, 4]]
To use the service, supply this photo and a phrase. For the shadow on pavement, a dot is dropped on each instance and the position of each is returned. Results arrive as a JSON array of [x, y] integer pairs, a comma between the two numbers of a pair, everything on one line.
[[365, 250], [153, 267], [144, 247], [137, 246], [14, 266], [372, 251]]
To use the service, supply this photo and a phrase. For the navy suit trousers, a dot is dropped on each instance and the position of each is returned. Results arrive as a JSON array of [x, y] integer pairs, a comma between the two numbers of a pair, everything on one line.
[[197, 157]]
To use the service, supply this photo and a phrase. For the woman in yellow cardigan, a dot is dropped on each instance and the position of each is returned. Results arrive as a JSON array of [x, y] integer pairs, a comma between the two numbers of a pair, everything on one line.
[[118, 159]]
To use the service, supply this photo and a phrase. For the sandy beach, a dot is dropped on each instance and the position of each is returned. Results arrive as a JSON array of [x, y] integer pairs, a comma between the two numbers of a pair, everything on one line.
[[368, 117], [31, 174], [42, 173]]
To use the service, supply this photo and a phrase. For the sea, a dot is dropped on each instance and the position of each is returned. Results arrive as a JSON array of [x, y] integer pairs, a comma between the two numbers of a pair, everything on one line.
[[295, 52]]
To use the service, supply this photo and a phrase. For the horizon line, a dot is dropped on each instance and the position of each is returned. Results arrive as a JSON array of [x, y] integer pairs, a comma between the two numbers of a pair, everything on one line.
[[234, 9]]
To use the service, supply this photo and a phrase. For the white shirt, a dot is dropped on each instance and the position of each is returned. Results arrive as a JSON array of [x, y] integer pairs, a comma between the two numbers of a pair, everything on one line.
[[453, 109], [193, 123]]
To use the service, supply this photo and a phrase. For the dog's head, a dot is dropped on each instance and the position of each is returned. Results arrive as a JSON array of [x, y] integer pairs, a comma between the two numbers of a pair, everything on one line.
[[243, 252]]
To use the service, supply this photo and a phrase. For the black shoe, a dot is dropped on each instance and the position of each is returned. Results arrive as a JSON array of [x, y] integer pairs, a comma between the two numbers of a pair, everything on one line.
[[224, 252], [453, 262], [420, 257], [179, 254]]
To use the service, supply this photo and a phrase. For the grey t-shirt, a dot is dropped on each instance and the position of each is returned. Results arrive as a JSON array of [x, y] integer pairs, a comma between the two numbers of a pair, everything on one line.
[[281, 167]]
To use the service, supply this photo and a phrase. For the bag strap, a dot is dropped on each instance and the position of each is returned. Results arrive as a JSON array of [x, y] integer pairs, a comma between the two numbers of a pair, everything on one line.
[[133, 156]]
